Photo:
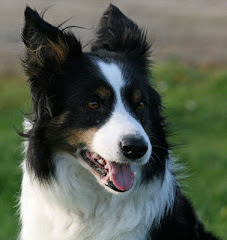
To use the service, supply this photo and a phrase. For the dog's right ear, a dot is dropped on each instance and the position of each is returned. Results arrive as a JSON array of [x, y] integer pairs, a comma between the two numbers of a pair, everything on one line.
[[47, 47]]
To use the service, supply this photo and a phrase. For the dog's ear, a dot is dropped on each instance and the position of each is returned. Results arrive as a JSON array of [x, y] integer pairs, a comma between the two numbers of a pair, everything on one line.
[[117, 33], [47, 47]]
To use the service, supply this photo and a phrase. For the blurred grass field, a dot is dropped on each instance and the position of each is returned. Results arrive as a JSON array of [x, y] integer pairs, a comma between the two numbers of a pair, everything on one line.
[[196, 107]]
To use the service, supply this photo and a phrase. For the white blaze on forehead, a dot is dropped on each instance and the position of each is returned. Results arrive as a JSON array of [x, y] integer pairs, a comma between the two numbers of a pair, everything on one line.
[[113, 75], [121, 123]]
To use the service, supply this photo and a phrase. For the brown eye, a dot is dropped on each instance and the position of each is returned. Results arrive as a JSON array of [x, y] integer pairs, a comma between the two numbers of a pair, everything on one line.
[[94, 105], [140, 106]]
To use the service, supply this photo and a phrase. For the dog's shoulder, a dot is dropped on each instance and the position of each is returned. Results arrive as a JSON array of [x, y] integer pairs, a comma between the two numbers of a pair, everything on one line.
[[181, 223]]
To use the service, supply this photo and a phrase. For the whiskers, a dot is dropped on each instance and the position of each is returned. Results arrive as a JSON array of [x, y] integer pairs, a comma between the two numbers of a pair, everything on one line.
[[157, 146], [157, 157], [151, 136]]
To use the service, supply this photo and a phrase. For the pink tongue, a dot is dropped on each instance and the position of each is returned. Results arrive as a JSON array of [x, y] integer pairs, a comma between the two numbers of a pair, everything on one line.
[[123, 177]]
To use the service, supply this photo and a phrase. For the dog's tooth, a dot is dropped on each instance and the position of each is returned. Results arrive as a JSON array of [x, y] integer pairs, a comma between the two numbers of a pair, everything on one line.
[[101, 161], [110, 176], [95, 156]]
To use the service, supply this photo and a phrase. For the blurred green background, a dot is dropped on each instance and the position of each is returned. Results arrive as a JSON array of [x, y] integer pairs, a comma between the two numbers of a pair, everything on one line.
[[190, 52]]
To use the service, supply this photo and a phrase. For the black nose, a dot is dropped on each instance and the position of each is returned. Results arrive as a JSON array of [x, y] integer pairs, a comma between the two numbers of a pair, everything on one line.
[[133, 147]]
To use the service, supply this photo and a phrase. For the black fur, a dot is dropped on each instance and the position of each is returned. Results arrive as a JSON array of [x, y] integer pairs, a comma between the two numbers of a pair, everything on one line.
[[182, 223], [62, 79], [119, 34]]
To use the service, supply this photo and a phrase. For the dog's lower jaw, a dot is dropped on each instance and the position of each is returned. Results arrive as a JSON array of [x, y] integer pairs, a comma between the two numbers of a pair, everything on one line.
[[77, 207]]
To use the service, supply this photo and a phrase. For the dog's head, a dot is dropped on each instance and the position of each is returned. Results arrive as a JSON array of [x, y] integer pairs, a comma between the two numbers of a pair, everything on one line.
[[97, 106]]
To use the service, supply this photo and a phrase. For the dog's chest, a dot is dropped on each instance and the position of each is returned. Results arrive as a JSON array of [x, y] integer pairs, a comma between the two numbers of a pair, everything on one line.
[[111, 221], [107, 218]]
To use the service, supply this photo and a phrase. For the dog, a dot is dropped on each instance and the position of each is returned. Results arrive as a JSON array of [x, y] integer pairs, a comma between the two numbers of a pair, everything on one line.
[[98, 164]]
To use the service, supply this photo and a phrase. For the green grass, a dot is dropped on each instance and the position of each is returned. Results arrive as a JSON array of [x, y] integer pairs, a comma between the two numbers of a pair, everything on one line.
[[196, 106], [13, 97], [195, 101]]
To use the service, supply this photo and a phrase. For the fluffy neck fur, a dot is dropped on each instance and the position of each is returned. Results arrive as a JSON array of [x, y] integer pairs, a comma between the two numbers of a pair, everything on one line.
[[77, 207]]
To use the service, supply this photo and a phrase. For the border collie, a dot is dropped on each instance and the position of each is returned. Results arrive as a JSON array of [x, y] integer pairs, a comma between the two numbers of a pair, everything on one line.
[[98, 164]]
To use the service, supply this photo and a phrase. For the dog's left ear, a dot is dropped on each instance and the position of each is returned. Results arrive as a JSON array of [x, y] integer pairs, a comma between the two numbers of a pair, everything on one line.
[[117, 33]]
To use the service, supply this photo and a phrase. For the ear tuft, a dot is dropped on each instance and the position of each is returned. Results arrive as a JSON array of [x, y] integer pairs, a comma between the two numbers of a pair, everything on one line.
[[47, 47]]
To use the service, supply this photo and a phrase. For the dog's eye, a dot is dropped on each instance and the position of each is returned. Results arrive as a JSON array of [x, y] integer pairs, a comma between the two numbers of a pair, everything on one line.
[[93, 105], [140, 105]]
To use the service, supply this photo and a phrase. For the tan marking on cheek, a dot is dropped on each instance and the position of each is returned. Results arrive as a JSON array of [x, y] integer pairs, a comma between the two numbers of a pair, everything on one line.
[[137, 96], [103, 92], [55, 124], [81, 136], [60, 119]]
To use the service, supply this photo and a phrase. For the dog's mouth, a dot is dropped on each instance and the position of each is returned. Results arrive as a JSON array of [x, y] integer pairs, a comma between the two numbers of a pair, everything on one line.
[[119, 177]]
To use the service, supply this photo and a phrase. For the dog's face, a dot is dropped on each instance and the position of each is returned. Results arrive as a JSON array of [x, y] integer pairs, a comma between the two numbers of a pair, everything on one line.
[[107, 113], [97, 106]]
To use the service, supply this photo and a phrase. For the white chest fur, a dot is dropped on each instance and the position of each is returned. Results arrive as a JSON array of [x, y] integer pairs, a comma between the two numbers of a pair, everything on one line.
[[76, 207]]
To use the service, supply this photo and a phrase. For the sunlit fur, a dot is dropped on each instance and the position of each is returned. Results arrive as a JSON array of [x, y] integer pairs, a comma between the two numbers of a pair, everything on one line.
[[63, 197]]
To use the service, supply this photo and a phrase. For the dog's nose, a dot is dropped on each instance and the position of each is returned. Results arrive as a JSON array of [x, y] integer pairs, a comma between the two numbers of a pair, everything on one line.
[[133, 147]]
